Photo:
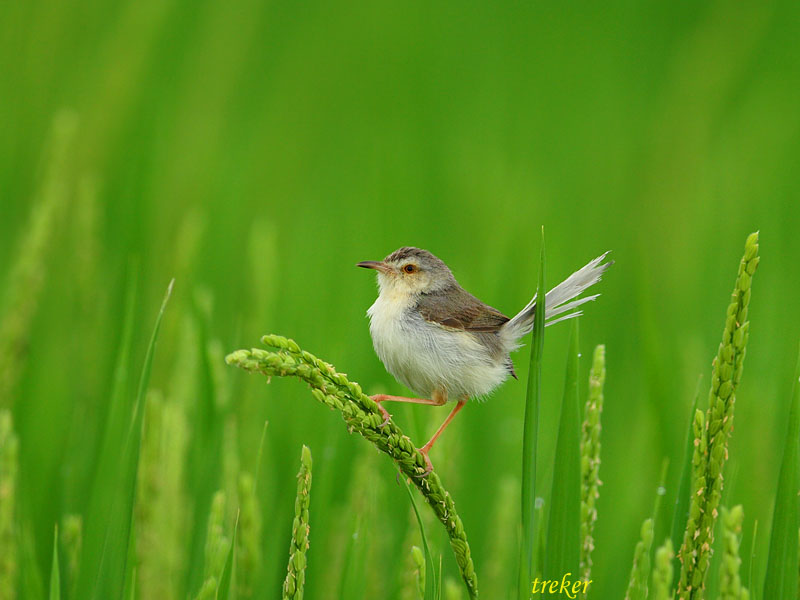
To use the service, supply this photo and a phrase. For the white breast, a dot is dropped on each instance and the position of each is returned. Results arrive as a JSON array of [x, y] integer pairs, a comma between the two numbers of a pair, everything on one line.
[[425, 356]]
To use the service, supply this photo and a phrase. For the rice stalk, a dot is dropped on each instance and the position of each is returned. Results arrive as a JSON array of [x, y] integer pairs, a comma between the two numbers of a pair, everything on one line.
[[27, 274], [663, 572], [248, 542], [296, 570], [590, 459], [681, 512], [217, 543], [216, 548], [361, 415], [9, 473], [208, 591], [640, 572], [730, 583], [161, 500], [727, 366]]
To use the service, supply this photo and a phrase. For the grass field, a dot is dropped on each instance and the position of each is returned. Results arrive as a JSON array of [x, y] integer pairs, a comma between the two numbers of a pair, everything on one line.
[[255, 152]]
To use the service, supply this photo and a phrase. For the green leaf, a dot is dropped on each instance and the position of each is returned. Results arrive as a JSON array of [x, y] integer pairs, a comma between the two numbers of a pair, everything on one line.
[[115, 555], [782, 567], [224, 589], [564, 527], [55, 573], [530, 439], [104, 485]]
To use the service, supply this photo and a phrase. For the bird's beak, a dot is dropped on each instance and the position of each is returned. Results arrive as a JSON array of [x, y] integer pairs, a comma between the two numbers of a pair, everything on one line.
[[378, 265]]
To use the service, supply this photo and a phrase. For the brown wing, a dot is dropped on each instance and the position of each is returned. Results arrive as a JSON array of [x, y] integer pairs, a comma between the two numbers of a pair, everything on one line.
[[457, 308]]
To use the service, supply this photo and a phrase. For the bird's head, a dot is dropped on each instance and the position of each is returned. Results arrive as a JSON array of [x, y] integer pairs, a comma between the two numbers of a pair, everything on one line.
[[410, 271]]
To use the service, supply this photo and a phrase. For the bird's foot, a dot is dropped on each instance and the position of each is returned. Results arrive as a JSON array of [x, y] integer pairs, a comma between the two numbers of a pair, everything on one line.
[[386, 416], [428, 463]]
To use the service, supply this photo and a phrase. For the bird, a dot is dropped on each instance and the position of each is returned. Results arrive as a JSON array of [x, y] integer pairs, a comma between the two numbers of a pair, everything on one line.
[[445, 344]]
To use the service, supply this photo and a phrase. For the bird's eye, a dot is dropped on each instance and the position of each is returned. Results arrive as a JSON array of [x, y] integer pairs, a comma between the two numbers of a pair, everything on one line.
[[409, 268]]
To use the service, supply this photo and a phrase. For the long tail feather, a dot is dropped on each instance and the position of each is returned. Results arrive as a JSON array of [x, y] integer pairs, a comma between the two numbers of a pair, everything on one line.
[[557, 300]]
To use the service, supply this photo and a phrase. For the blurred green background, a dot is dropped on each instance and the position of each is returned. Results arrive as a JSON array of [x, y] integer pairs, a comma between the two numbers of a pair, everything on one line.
[[256, 151]]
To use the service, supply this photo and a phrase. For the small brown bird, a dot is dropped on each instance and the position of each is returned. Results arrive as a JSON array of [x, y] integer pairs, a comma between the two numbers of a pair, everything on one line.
[[441, 341]]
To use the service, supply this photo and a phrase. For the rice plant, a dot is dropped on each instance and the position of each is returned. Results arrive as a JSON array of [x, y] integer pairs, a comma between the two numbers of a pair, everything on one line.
[[255, 151], [298, 549]]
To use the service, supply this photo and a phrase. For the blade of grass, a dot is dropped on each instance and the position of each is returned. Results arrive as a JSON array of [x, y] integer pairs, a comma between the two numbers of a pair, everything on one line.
[[111, 448], [431, 576], [530, 439], [564, 527], [55, 573], [115, 555], [782, 568]]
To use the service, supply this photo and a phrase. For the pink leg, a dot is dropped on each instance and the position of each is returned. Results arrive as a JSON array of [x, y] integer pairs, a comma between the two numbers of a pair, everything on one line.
[[439, 399], [426, 448]]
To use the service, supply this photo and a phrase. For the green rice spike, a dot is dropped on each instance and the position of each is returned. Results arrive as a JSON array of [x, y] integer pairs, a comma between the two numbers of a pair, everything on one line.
[[296, 570], [640, 572], [663, 571], [362, 416], [248, 551], [217, 543], [590, 459], [161, 499], [730, 583], [216, 548], [71, 537], [26, 277], [9, 469], [688, 552], [726, 373], [208, 591]]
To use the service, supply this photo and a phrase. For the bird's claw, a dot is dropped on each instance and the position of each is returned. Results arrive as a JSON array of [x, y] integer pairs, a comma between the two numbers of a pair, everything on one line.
[[386, 416], [428, 465]]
